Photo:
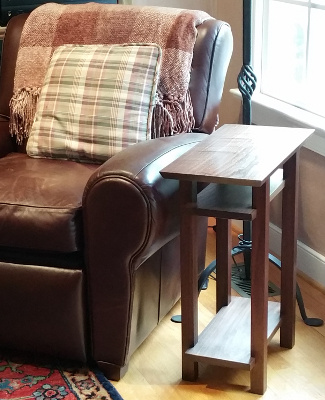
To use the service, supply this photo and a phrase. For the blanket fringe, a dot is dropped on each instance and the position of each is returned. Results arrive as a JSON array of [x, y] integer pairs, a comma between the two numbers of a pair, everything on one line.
[[169, 117], [182, 114], [172, 116], [22, 111], [162, 121]]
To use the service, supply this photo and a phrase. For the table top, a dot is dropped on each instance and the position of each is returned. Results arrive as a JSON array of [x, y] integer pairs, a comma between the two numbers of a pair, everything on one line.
[[238, 154]]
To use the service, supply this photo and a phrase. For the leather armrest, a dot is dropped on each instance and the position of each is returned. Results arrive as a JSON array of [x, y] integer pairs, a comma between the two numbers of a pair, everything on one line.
[[130, 211], [128, 207]]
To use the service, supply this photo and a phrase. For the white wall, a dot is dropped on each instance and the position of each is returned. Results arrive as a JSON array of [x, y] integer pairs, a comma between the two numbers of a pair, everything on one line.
[[231, 11]]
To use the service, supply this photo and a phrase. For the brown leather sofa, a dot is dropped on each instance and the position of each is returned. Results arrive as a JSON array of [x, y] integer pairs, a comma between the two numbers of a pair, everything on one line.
[[89, 255]]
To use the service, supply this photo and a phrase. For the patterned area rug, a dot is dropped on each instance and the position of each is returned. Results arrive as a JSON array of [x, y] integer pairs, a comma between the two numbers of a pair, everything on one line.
[[39, 380]]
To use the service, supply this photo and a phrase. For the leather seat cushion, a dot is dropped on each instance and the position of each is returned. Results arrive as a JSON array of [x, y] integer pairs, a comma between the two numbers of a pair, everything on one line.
[[40, 203]]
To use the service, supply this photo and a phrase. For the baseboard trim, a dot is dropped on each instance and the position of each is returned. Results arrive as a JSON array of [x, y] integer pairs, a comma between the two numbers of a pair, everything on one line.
[[310, 264]]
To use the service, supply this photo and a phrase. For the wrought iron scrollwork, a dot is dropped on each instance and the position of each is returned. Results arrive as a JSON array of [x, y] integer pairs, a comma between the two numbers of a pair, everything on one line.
[[246, 81], [246, 84]]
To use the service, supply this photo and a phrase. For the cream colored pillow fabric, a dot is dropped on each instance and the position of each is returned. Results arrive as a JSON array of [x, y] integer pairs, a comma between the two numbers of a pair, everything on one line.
[[95, 101]]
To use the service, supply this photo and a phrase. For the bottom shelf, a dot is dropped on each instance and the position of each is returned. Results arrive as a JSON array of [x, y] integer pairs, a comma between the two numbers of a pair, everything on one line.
[[226, 341]]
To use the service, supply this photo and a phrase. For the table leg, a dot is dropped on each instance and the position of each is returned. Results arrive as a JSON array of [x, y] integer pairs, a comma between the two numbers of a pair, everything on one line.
[[289, 252], [223, 257], [189, 278], [259, 287]]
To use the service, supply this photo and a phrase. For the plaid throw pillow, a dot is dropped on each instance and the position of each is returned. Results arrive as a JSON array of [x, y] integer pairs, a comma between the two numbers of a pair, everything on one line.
[[95, 101]]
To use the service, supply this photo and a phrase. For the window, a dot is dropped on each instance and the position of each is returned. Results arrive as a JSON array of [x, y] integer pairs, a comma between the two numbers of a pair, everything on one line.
[[292, 51]]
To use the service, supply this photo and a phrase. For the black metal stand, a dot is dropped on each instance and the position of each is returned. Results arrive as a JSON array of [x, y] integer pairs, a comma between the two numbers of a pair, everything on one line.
[[307, 321], [246, 78], [211, 269], [246, 85]]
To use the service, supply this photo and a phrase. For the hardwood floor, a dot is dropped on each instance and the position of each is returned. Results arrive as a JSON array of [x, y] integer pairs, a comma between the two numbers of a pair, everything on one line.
[[297, 374]]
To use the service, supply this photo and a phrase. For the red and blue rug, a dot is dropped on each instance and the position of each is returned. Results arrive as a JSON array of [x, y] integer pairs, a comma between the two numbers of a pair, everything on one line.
[[41, 381]]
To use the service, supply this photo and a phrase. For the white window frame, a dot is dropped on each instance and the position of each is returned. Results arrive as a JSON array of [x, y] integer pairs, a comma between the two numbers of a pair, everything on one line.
[[269, 111]]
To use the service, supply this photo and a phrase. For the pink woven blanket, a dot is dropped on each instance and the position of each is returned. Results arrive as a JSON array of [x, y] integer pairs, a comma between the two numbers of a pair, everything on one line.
[[52, 25]]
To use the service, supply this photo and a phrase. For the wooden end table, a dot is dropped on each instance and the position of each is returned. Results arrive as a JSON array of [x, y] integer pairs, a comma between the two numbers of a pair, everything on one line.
[[245, 167]]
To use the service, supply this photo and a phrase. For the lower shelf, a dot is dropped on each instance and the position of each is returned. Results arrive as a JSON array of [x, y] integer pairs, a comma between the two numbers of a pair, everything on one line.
[[226, 341]]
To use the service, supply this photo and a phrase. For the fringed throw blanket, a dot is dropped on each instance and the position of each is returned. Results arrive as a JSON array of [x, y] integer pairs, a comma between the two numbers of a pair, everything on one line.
[[52, 25]]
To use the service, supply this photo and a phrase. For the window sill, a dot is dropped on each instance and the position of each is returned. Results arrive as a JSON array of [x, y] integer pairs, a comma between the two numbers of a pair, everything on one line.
[[272, 112]]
